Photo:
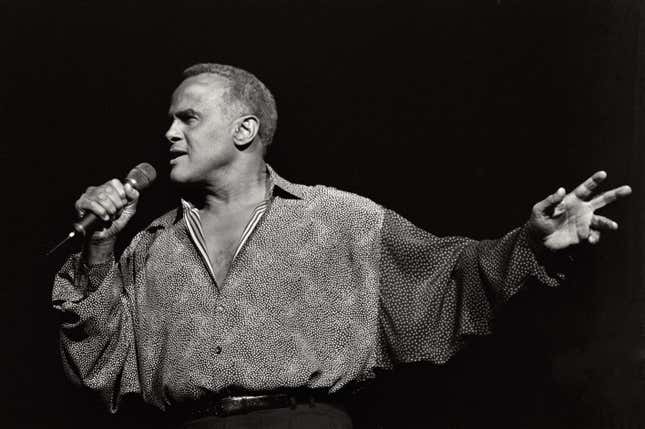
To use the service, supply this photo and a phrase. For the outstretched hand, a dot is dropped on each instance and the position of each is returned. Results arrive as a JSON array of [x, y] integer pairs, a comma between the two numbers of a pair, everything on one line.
[[562, 220]]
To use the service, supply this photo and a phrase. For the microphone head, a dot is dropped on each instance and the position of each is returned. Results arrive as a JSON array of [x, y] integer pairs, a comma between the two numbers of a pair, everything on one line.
[[141, 176]]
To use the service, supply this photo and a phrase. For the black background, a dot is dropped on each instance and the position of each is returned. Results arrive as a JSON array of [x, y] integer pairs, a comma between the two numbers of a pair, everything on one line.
[[460, 115]]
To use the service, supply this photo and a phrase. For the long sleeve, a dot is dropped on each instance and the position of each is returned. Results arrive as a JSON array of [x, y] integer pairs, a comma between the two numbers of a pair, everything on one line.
[[96, 331], [435, 292]]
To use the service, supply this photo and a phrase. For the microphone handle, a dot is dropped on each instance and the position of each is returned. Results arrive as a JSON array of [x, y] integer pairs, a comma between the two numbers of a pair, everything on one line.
[[86, 223]]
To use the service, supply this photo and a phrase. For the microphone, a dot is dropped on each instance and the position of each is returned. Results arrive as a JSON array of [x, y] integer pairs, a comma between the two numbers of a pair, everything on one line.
[[140, 178]]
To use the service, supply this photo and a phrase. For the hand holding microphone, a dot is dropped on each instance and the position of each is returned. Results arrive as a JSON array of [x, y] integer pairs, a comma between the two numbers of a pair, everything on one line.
[[114, 202]]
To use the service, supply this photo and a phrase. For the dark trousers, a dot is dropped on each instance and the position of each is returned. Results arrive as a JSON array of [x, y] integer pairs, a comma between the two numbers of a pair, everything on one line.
[[302, 416]]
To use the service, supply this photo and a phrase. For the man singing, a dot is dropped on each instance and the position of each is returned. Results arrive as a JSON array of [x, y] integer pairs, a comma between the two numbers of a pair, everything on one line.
[[256, 301]]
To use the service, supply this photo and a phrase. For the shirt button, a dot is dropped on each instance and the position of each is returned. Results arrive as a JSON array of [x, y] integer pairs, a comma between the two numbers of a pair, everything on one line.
[[218, 350]]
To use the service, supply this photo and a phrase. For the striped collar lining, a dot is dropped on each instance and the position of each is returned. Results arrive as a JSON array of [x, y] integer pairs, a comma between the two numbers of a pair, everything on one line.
[[194, 224]]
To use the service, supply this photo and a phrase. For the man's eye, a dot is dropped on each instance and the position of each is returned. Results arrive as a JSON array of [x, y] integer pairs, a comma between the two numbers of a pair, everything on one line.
[[188, 119]]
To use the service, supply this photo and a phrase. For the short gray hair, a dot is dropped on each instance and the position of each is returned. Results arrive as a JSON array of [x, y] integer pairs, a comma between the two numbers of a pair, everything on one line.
[[248, 90]]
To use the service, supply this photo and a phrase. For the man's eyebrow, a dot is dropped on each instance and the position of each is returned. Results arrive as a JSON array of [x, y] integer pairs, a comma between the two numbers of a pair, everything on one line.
[[183, 112]]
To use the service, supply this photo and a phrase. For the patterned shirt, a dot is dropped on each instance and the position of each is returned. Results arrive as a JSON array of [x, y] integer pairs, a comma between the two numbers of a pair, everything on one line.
[[325, 287]]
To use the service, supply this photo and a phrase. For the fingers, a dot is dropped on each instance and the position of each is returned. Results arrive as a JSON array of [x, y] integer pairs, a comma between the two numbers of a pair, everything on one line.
[[597, 224], [105, 201], [594, 237], [600, 222], [113, 196], [131, 193], [117, 189], [84, 205], [609, 197], [550, 201], [585, 189]]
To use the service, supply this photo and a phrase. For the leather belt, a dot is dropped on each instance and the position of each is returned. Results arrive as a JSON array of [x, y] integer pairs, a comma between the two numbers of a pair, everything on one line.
[[231, 405]]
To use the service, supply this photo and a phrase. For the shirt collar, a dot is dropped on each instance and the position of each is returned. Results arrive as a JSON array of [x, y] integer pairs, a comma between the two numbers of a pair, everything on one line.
[[281, 187], [276, 187]]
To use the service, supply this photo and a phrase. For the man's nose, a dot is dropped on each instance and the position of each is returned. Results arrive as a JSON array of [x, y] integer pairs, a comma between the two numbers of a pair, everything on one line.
[[173, 135]]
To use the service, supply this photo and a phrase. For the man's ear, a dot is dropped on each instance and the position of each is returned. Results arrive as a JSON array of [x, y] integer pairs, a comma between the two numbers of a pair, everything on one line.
[[245, 130]]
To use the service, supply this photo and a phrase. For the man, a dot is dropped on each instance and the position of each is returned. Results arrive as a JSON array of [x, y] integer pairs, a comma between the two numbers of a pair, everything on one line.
[[258, 300]]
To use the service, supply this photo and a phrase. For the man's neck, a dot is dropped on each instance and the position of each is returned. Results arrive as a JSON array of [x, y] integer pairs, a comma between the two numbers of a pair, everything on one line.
[[231, 188]]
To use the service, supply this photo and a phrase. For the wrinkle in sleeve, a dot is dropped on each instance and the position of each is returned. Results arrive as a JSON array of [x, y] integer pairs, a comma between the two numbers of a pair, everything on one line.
[[435, 292], [96, 327]]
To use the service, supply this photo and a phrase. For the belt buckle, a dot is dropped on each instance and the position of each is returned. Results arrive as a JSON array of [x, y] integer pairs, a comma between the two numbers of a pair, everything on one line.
[[234, 405]]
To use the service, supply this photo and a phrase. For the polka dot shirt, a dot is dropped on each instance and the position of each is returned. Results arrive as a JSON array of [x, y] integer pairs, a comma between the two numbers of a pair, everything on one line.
[[327, 287]]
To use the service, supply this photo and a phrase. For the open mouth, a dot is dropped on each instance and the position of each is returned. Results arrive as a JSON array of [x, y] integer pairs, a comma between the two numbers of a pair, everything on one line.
[[174, 154]]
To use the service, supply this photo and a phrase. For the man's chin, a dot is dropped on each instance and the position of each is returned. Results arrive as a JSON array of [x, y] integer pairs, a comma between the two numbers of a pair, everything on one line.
[[177, 177], [182, 178]]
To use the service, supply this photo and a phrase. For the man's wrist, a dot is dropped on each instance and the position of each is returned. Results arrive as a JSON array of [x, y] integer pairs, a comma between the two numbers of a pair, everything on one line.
[[554, 261], [535, 241], [98, 251]]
